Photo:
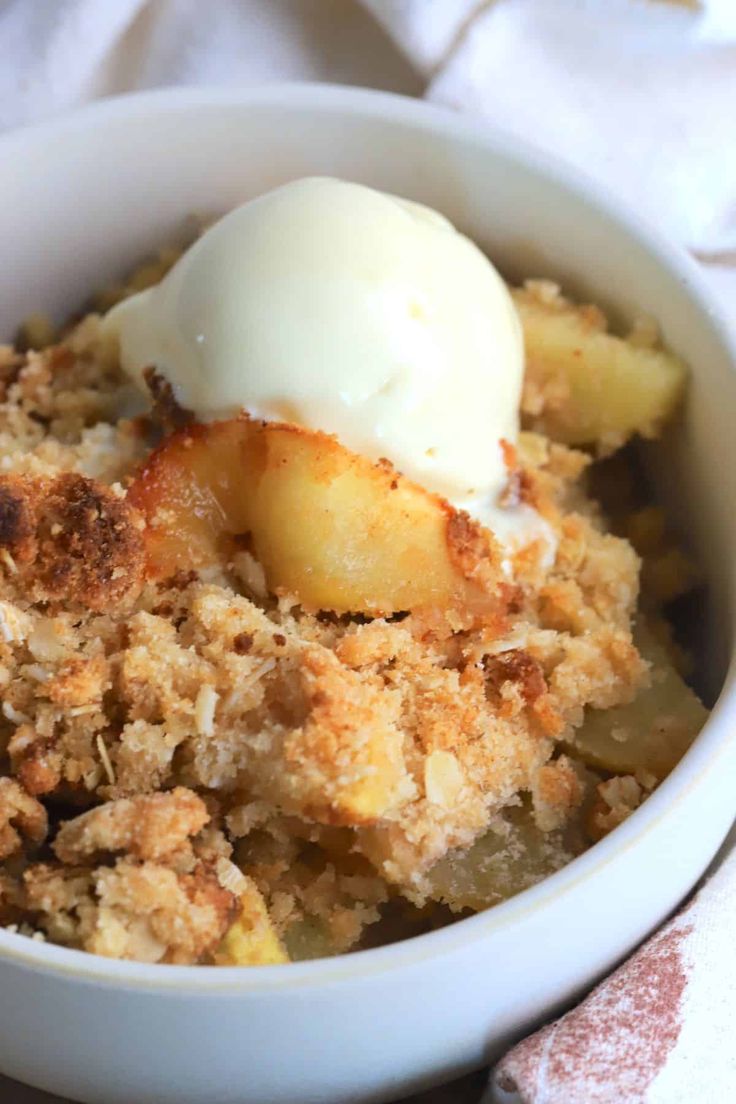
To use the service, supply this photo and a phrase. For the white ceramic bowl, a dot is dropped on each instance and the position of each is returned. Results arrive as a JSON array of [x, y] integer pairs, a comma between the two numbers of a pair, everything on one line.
[[86, 196]]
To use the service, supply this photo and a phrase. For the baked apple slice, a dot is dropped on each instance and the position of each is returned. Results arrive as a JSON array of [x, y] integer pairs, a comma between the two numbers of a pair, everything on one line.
[[328, 526], [584, 385], [252, 939], [651, 733], [511, 856]]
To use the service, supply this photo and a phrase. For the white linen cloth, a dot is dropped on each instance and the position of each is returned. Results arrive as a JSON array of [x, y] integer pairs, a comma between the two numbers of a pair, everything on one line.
[[641, 93]]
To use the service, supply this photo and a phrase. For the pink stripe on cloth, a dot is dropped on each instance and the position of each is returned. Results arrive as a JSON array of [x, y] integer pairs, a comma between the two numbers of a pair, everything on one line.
[[657, 1031], [610, 1048]]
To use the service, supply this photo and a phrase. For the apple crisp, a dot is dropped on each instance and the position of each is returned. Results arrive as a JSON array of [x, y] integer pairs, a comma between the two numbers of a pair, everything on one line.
[[230, 735]]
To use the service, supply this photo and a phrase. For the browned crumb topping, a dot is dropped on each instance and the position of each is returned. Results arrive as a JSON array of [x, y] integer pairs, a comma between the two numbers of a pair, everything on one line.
[[69, 539], [166, 410]]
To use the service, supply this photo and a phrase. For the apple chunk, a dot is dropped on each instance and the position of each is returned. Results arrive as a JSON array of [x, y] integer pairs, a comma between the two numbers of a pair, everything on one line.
[[584, 385], [512, 855], [330, 527], [651, 733]]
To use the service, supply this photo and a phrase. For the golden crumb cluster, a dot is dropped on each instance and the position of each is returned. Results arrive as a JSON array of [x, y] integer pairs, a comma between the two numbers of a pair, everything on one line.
[[200, 767]]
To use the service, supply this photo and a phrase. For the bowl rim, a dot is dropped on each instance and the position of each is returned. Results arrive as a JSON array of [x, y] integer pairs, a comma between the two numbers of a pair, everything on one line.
[[702, 758]]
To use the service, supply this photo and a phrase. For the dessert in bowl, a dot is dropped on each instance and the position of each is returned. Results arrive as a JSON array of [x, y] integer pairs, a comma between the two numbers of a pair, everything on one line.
[[268, 684], [303, 659]]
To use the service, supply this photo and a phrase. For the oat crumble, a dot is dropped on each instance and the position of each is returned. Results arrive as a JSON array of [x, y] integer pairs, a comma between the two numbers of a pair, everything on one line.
[[196, 770]]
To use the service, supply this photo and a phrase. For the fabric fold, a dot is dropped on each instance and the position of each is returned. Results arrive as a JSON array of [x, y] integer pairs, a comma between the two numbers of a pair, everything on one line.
[[657, 1031]]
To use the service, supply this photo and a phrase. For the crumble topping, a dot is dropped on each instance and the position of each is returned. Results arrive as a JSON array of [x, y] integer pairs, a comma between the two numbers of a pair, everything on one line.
[[70, 538], [151, 826], [142, 911], [20, 816], [199, 770]]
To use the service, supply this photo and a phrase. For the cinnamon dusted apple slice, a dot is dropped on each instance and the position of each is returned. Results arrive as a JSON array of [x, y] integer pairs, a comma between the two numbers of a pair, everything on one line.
[[329, 526]]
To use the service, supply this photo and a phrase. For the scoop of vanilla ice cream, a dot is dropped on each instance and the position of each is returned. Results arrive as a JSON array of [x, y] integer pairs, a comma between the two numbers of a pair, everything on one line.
[[340, 308]]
